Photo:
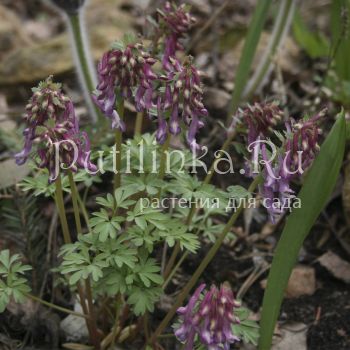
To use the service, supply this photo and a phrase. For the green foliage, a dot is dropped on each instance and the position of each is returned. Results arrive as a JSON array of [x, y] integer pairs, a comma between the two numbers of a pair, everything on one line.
[[340, 12], [78, 261], [104, 225], [12, 284], [144, 299], [249, 49], [39, 183], [142, 154], [314, 43], [319, 184], [247, 330]]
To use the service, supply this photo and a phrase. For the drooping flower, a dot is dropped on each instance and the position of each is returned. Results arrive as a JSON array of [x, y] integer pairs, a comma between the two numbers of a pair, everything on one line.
[[182, 99], [47, 103], [52, 129], [175, 21], [286, 163], [126, 68], [72, 7], [61, 147], [261, 118], [210, 318]]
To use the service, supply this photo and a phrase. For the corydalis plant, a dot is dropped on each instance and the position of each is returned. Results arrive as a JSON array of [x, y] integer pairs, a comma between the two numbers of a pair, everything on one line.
[[208, 317], [52, 128], [298, 150], [125, 70], [174, 23], [182, 98]]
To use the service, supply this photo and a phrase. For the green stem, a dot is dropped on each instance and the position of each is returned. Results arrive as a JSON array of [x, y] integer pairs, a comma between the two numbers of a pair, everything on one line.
[[118, 145], [56, 307], [95, 335], [193, 209], [205, 262], [222, 151], [116, 321], [138, 123], [67, 239], [173, 271], [61, 211], [74, 193], [177, 247], [83, 210], [83, 62], [146, 326], [163, 156]]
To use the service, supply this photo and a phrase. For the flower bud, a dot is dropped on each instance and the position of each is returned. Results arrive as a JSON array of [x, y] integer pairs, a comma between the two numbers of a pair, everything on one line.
[[71, 7]]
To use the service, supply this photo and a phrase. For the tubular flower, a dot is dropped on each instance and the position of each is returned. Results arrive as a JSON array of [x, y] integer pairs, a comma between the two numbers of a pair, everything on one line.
[[297, 153], [176, 22], [302, 147], [47, 103], [261, 119], [52, 128], [61, 146], [210, 318], [182, 98], [127, 69]]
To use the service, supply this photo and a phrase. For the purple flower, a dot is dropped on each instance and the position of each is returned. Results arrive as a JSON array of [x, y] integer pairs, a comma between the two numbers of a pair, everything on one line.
[[175, 21], [62, 147], [126, 69], [210, 317], [52, 128], [283, 165], [182, 100], [261, 118], [47, 103]]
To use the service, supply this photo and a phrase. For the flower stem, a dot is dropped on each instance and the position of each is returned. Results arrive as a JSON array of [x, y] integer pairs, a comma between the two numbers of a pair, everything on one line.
[[116, 321], [205, 262], [138, 123], [163, 156], [61, 211], [74, 193], [193, 209], [53, 306], [67, 239], [83, 210], [118, 145], [172, 273], [177, 247], [92, 314], [222, 151], [83, 62]]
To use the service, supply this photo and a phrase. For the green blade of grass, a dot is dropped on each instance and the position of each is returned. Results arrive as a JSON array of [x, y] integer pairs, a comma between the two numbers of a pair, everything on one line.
[[250, 45], [314, 194], [340, 36]]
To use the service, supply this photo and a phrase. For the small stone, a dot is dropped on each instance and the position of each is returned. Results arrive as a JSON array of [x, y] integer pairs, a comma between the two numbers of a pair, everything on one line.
[[338, 267], [74, 328], [216, 99], [293, 337], [301, 282]]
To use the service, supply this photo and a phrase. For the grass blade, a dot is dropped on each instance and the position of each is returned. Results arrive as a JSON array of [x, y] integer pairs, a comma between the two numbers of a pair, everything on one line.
[[281, 28], [314, 194], [250, 45]]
